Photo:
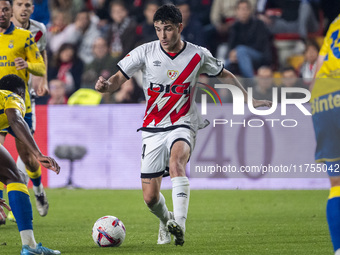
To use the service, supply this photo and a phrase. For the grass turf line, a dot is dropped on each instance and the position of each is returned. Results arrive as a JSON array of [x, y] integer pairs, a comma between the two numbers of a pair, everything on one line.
[[219, 222]]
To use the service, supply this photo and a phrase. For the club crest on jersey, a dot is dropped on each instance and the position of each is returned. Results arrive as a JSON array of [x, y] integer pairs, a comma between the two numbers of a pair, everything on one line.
[[172, 74], [11, 44]]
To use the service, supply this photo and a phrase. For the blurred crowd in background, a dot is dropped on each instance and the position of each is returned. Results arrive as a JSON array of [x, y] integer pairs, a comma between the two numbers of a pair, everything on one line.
[[266, 43]]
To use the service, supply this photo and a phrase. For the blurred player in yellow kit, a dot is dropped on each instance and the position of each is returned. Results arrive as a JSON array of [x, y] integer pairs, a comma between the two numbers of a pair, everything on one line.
[[325, 102], [20, 55], [12, 110]]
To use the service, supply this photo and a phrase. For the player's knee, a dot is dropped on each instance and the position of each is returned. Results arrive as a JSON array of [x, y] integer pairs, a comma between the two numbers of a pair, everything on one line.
[[30, 161], [150, 200]]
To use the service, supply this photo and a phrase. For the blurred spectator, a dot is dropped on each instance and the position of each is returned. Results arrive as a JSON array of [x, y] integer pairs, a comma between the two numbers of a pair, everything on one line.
[[100, 8], [297, 16], [81, 33], [57, 92], [264, 84], [290, 79], [201, 10], [192, 28], [102, 65], [308, 68], [85, 96], [223, 14], [72, 6], [249, 41], [146, 30], [129, 92], [136, 8], [67, 67], [41, 12], [58, 22], [122, 33]]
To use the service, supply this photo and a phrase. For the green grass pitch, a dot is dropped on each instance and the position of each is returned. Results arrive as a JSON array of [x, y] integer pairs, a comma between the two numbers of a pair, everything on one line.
[[219, 222]]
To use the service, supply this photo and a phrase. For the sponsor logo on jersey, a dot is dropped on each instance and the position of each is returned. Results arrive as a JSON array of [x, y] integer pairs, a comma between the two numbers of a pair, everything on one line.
[[178, 89], [172, 74], [157, 63]]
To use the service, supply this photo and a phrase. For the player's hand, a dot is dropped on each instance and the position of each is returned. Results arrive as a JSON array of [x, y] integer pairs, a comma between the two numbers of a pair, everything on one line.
[[20, 63], [102, 85], [42, 90], [39, 84], [49, 163], [3, 215], [259, 103]]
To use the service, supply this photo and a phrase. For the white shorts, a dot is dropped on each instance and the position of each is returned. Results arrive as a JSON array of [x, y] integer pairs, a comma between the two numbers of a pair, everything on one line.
[[156, 149]]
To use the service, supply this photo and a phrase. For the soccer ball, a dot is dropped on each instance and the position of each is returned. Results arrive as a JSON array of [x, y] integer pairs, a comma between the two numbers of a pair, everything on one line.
[[108, 231]]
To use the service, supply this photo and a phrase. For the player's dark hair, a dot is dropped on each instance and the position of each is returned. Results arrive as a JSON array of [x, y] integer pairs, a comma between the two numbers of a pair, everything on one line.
[[168, 12], [13, 83]]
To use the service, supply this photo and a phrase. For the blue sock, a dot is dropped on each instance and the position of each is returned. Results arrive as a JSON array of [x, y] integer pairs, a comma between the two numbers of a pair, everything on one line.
[[35, 176], [36, 182], [333, 216], [20, 204]]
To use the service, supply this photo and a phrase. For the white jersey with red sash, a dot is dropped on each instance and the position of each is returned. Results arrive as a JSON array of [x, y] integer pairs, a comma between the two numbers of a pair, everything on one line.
[[169, 83]]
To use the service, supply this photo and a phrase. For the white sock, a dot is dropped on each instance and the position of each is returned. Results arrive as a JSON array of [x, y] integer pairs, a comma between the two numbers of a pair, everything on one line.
[[21, 166], [180, 199], [38, 189], [27, 238], [160, 210], [337, 252]]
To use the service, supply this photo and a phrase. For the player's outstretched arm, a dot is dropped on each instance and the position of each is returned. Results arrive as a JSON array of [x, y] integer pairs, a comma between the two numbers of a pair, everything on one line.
[[22, 132], [112, 84], [256, 103]]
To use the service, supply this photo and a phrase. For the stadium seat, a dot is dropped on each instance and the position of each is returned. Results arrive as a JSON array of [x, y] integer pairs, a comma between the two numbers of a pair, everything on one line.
[[71, 153]]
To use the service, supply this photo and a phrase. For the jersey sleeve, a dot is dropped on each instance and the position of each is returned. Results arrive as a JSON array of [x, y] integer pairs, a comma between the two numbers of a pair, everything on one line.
[[211, 65], [36, 65], [16, 102], [132, 62], [41, 42]]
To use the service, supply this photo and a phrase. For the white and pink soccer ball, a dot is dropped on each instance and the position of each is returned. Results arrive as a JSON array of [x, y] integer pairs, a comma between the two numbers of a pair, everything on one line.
[[108, 231]]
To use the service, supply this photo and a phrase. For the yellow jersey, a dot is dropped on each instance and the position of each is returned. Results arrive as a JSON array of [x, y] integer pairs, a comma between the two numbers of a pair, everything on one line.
[[327, 78], [8, 99], [16, 42]]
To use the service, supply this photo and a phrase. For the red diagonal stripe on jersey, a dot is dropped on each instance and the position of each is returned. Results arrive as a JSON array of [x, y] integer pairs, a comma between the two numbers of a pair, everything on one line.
[[188, 70], [38, 36], [158, 115]]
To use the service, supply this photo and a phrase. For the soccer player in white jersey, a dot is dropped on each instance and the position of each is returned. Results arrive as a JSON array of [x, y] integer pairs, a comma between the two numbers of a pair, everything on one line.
[[22, 10], [171, 68]]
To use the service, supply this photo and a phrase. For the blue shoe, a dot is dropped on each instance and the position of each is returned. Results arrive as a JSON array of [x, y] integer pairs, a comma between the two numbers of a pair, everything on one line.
[[26, 250]]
